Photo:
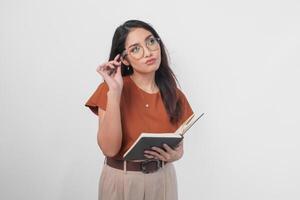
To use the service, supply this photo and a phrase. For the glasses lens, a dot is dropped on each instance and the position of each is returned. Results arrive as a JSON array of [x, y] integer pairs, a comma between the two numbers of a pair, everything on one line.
[[152, 43], [137, 51]]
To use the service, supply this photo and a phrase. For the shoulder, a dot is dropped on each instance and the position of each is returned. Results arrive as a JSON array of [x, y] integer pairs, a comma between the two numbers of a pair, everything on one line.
[[187, 110], [127, 84], [180, 94]]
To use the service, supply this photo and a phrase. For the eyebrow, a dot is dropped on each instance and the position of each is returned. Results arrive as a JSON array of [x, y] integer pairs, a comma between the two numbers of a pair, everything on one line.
[[138, 43]]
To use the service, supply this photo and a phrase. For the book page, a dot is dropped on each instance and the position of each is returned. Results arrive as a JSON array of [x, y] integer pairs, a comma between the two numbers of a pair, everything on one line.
[[181, 127], [190, 124]]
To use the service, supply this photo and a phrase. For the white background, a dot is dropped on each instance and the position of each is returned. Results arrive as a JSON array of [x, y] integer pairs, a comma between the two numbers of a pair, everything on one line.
[[237, 61]]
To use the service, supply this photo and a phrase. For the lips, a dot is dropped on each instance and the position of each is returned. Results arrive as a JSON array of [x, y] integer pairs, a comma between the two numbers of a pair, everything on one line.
[[150, 61]]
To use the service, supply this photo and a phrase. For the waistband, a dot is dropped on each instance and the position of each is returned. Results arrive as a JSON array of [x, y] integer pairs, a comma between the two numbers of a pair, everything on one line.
[[145, 166]]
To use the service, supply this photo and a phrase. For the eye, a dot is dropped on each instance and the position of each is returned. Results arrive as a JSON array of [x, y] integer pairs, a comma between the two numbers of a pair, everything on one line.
[[151, 41], [135, 49]]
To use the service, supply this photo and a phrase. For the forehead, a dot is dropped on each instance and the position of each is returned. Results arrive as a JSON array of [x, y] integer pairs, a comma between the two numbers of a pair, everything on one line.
[[137, 35]]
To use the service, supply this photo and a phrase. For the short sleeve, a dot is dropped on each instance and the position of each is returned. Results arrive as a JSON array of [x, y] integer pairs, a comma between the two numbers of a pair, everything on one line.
[[187, 110], [98, 98]]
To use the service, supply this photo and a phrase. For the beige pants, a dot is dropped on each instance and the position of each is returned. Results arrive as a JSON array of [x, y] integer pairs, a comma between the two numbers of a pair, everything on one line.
[[116, 184]]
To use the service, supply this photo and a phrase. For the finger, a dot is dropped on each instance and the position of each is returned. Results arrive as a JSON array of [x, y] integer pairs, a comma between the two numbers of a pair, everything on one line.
[[117, 57], [179, 146], [180, 143], [118, 72], [110, 69], [106, 71], [105, 66], [161, 151], [116, 62], [156, 155], [100, 67], [105, 75], [148, 156], [111, 65], [168, 148]]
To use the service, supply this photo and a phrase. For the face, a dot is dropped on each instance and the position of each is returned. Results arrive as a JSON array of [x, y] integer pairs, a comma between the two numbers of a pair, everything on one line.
[[142, 51]]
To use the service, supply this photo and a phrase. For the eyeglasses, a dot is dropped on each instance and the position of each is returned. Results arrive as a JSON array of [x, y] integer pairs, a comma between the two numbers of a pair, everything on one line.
[[137, 51]]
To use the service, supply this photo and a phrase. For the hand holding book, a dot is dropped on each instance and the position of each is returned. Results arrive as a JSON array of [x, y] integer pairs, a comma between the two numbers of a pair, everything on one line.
[[166, 154], [154, 141]]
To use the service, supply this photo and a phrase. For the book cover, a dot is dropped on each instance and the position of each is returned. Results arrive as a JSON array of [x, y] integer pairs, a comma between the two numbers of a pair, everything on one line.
[[147, 140]]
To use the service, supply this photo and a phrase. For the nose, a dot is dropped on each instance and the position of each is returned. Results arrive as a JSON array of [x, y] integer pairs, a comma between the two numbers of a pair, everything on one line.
[[147, 52]]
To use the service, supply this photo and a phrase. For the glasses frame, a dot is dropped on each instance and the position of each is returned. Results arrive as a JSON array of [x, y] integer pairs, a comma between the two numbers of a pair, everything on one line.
[[125, 53]]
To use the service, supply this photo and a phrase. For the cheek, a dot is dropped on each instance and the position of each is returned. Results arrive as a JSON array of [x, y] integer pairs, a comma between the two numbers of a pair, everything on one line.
[[135, 63], [158, 57]]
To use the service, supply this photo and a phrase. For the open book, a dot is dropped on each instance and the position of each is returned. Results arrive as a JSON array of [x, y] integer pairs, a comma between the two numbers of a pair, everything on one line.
[[147, 140]]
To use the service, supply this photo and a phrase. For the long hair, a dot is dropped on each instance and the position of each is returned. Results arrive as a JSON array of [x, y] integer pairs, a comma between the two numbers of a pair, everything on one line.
[[164, 77]]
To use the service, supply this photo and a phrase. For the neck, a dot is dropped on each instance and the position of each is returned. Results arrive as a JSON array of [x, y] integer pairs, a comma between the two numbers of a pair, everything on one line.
[[145, 81]]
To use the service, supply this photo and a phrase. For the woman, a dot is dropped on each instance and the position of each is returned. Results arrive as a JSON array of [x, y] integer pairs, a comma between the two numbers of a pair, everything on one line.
[[139, 94]]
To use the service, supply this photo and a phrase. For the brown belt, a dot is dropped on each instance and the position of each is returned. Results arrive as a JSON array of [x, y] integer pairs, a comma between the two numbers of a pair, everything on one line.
[[146, 166]]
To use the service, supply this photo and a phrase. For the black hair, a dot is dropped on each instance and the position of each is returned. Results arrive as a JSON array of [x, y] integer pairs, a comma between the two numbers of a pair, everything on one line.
[[165, 78]]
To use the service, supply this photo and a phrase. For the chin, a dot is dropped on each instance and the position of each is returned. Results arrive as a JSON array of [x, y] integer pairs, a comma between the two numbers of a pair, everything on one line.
[[155, 66]]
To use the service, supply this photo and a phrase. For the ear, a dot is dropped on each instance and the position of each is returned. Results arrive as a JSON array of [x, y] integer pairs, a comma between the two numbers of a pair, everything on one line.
[[124, 61]]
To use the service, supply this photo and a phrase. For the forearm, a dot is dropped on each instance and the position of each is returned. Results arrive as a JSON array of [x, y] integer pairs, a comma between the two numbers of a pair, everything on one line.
[[110, 128]]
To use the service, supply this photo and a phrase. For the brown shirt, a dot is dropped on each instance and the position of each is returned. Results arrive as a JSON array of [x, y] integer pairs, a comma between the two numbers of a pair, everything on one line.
[[140, 111]]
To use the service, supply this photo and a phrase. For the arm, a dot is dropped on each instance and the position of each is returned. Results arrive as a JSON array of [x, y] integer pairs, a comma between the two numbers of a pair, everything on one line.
[[109, 136]]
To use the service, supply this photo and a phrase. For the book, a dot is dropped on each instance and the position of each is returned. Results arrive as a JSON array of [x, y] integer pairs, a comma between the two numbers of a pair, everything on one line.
[[147, 140]]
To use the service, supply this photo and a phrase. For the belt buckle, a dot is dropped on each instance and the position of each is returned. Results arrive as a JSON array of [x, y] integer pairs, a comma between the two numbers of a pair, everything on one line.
[[146, 163]]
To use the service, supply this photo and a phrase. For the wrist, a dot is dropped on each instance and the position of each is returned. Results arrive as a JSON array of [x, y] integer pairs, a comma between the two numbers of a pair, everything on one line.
[[114, 95]]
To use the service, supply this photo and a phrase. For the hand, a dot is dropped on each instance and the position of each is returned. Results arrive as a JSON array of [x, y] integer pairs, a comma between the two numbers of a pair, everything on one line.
[[167, 154], [111, 73]]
